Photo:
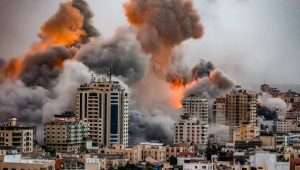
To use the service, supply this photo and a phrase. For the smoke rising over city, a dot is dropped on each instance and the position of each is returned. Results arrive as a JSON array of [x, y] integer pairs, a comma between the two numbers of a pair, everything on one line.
[[142, 53]]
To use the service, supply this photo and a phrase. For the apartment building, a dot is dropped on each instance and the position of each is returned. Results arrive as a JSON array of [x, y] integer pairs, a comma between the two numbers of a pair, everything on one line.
[[17, 136], [219, 111], [66, 133], [192, 126], [103, 104], [240, 108]]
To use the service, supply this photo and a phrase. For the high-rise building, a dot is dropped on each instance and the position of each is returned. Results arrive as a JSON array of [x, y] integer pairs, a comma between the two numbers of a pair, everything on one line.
[[192, 127], [219, 111], [17, 136], [103, 104], [195, 106], [240, 108], [66, 133]]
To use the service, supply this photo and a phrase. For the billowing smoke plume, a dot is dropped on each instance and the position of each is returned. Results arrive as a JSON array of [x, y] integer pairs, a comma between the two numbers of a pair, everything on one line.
[[122, 54], [65, 27], [146, 127], [43, 68], [87, 14], [32, 82], [43, 81], [25, 103], [202, 69], [162, 25], [203, 80], [64, 92], [212, 86], [273, 103]]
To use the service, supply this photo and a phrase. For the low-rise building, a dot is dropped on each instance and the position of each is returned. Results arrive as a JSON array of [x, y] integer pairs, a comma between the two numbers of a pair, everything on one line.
[[138, 153], [246, 132], [17, 136], [287, 124], [177, 149], [16, 162], [65, 133], [268, 160], [195, 164], [267, 141]]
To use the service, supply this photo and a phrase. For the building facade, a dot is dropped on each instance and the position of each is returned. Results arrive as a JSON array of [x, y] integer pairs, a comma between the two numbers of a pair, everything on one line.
[[192, 126], [16, 162], [138, 153], [219, 111], [191, 131], [17, 136], [103, 104], [65, 133], [195, 106], [246, 132], [241, 106]]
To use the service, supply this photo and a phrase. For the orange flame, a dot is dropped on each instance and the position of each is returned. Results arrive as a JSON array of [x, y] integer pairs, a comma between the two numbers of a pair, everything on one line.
[[65, 27], [13, 69], [177, 92]]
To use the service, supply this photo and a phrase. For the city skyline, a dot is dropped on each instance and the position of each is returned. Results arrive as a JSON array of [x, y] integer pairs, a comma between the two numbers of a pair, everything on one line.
[[150, 84]]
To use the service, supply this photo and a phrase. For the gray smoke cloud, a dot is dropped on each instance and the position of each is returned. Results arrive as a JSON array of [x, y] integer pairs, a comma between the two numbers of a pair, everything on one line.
[[122, 53], [202, 69], [146, 127], [63, 94], [215, 85], [87, 14], [42, 69], [273, 103], [16, 99], [170, 23], [182, 72], [220, 133], [163, 23]]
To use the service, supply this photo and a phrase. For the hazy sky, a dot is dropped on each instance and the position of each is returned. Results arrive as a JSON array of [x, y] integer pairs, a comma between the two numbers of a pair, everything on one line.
[[253, 41]]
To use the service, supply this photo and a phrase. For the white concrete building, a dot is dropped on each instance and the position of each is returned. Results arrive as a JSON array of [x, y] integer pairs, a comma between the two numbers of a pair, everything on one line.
[[267, 161], [103, 104], [16, 162], [195, 164], [17, 136]]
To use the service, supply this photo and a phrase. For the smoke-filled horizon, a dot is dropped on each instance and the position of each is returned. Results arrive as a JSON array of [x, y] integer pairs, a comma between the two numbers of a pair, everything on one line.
[[149, 52], [143, 55]]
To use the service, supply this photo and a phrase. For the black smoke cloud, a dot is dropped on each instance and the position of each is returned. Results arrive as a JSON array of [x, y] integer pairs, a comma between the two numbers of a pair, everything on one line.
[[122, 53], [211, 87], [87, 14], [41, 69], [202, 69]]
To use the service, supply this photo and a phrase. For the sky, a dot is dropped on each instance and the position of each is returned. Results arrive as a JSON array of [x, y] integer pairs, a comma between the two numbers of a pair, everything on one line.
[[252, 41]]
